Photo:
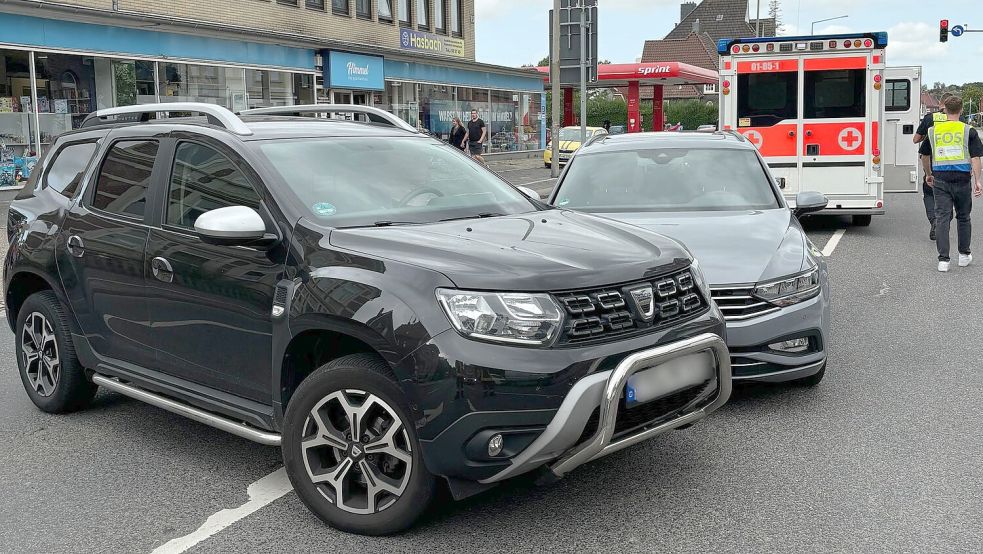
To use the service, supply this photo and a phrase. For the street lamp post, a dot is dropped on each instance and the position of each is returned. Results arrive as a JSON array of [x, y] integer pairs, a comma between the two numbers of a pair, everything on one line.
[[812, 29]]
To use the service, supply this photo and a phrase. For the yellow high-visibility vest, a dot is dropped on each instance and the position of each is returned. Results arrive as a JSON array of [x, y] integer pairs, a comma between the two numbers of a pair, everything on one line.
[[950, 146]]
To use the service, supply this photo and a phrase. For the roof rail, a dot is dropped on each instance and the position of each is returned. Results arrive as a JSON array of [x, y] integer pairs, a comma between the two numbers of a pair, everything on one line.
[[733, 133], [595, 138], [217, 115], [375, 115]]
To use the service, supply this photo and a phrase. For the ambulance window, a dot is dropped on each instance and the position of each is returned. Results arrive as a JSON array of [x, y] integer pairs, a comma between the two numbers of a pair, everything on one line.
[[897, 95], [834, 93], [765, 99]]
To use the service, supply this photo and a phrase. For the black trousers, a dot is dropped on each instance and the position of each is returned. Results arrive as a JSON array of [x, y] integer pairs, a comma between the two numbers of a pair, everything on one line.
[[949, 195], [928, 197]]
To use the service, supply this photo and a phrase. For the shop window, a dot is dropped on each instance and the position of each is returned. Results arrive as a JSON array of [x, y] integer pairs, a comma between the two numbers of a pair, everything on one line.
[[124, 177], [835, 93], [269, 88], [456, 11], [766, 99], [897, 95], [340, 7], [314, 4], [67, 92], [404, 12], [439, 21], [17, 133], [65, 172], [386, 10], [423, 14], [363, 9], [203, 180], [202, 83]]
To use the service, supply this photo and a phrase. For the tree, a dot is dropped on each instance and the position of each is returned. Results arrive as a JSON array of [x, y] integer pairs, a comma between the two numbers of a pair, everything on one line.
[[543, 62], [775, 12]]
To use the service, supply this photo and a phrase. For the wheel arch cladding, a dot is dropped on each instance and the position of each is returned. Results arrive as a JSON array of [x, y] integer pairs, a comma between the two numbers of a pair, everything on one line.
[[21, 286]]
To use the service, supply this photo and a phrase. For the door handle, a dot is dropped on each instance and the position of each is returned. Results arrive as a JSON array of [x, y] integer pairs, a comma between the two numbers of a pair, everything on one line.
[[75, 246], [162, 269]]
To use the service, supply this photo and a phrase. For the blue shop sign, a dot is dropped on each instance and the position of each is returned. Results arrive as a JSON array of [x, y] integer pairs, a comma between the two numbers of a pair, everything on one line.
[[355, 71]]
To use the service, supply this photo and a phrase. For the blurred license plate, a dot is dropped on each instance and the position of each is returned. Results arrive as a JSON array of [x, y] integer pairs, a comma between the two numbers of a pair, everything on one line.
[[667, 378]]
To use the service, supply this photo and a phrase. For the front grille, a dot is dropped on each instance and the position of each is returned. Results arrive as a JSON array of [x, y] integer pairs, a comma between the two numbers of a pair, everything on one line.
[[598, 314], [738, 303], [649, 413]]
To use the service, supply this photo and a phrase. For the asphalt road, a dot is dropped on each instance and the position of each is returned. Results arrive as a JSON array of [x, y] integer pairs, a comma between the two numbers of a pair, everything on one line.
[[883, 456]]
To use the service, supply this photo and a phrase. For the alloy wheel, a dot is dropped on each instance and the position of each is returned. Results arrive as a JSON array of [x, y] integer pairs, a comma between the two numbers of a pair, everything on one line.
[[39, 352], [357, 451]]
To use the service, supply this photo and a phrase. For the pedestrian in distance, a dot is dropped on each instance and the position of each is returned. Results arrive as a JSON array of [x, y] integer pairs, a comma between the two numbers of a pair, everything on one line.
[[458, 134], [928, 195], [475, 137], [951, 159]]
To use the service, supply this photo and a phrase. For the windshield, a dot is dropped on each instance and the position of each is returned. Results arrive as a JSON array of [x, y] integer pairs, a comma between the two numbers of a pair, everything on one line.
[[573, 134], [352, 181], [668, 179]]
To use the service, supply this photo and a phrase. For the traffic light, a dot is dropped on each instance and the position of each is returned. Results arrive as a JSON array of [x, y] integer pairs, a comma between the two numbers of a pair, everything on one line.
[[944, 30]]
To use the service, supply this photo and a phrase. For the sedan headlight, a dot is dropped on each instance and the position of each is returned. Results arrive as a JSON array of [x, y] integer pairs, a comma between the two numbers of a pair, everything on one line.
[[789, 290], [514, 317], [701, 281]]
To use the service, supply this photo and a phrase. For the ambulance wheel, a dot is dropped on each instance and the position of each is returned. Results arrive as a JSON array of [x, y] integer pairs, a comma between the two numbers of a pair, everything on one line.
[[862, 220]]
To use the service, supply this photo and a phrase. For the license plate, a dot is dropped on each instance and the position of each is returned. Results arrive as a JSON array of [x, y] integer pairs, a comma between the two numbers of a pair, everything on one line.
[[675, 375]]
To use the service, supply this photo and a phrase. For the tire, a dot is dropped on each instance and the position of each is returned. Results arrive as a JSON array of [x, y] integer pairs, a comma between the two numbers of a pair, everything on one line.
[[352, 382], [813, 379], [54, 380], [862, 220]]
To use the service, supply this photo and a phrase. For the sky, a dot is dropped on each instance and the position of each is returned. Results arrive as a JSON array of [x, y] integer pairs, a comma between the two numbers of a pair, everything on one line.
[[515, 32]]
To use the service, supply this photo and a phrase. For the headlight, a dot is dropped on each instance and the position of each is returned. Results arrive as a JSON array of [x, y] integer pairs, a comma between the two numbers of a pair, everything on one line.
[[701, 281], [515, 317], [789, 290]]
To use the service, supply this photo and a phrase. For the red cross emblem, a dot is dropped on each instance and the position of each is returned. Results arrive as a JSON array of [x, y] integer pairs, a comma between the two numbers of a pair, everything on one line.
[[849, 138], [755, 138]]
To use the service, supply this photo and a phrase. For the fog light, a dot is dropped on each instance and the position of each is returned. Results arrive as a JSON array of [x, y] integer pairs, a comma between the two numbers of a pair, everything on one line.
[[495, 445], [794, 345]]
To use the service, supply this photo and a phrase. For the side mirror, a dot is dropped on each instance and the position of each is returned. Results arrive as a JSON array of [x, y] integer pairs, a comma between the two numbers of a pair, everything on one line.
[[529, 192], [233, 226], [807, 202]]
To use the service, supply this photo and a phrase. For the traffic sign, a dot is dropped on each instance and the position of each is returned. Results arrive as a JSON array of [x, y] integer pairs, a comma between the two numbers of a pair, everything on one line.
[[957, 30]]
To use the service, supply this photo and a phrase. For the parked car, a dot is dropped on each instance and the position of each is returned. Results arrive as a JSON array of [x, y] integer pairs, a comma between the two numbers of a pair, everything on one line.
[[386, 310], [714, 193], [569, 143], [617, 130], [706, 128]]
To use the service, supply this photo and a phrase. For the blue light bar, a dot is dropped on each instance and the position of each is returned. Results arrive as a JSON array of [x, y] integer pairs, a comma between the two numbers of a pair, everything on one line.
[[724, 44]]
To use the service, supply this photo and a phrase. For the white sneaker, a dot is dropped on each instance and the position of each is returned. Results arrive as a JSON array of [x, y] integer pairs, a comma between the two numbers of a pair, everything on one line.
[[943, 266], [965, 259]]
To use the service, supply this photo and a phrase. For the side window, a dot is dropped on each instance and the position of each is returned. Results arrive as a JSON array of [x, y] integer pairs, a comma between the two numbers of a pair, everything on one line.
[[765, 99], [65, 173], [897, 95], [202, 180], [835, 93], [124, 178]]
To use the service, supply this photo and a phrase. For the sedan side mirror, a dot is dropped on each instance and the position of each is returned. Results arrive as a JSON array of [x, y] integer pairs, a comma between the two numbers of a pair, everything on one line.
[[529, 192], [233, 226], [807, 202]]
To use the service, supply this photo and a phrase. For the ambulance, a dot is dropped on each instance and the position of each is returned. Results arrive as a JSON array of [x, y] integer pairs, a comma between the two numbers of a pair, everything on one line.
[[814, 107]]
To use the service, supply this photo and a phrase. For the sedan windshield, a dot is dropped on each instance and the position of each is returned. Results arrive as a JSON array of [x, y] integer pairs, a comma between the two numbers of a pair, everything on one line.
[[351, 182], [573, 134], [667, 179]]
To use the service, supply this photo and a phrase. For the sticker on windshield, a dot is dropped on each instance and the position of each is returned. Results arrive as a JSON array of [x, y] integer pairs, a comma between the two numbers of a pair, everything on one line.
[[744, 122], [323, 208], [564, 202]]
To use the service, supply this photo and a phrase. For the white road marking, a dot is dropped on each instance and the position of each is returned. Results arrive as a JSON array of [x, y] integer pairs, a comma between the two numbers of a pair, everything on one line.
[[534, 182], [261, 493], [833, 241]]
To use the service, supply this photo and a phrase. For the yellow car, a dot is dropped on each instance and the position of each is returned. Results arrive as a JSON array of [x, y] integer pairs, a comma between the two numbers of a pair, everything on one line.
[[569, 143]]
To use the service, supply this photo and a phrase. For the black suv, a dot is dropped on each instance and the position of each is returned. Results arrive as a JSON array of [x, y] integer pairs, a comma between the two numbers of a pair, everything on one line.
[[387, 308]]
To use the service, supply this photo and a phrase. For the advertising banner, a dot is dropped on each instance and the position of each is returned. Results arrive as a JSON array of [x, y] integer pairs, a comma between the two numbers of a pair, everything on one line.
[[428, 42], [355, 71]]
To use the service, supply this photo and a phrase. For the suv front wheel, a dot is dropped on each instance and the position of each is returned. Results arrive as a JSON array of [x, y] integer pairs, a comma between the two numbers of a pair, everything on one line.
[[351, 450], [51, 372]]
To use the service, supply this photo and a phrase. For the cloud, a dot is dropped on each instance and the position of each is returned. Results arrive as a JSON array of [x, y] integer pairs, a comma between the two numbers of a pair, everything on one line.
[[914, 42]]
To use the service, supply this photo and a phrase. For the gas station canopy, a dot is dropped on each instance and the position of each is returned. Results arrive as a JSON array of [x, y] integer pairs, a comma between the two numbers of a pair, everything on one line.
[[654, 73]]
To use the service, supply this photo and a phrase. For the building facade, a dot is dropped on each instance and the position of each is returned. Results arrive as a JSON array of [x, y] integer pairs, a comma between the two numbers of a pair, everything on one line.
[[63, 60]]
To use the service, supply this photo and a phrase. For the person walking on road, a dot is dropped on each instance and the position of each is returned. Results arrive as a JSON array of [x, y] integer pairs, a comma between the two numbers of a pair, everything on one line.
[[476, 137], [928, 195], [951, 159], [458, 133]]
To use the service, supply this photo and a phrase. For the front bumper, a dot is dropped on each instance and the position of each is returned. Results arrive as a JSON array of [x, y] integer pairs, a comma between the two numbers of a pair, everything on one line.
[[561, 441]]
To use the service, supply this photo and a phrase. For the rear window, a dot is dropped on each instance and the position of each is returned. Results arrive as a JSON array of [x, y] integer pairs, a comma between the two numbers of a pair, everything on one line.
[[897, 95], [765, 99], [65, 173], [667, 179], [835, 93]]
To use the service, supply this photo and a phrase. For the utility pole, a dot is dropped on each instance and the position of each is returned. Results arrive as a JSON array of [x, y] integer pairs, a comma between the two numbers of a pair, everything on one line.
[[757, 21], [555, 86], [583, 71]]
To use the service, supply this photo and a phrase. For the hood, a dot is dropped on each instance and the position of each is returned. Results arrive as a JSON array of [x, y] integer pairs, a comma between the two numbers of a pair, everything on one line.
[[569, 144], [541, 251], [735, 247]]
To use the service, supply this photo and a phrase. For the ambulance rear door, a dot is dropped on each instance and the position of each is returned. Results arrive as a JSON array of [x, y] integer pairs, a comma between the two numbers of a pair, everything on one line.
[[902, 114]]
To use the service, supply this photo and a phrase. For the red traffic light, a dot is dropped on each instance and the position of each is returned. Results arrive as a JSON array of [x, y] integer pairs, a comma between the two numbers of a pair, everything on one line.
[[944, 23]]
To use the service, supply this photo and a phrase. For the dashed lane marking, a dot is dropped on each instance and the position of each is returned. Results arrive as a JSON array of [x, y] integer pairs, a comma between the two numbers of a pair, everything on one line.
[[261, 493], [833, 241], [534, 182]]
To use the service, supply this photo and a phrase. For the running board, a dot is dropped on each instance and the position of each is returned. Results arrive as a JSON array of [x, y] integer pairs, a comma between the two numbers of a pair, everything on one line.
[[190, 412]]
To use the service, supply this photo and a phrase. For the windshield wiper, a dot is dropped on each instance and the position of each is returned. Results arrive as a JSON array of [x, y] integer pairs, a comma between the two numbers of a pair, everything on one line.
[[482, 215], [388, 223]]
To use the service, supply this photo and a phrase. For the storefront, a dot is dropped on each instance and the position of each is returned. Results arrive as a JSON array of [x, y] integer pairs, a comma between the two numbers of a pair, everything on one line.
[[54, 72], [429, 92]]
